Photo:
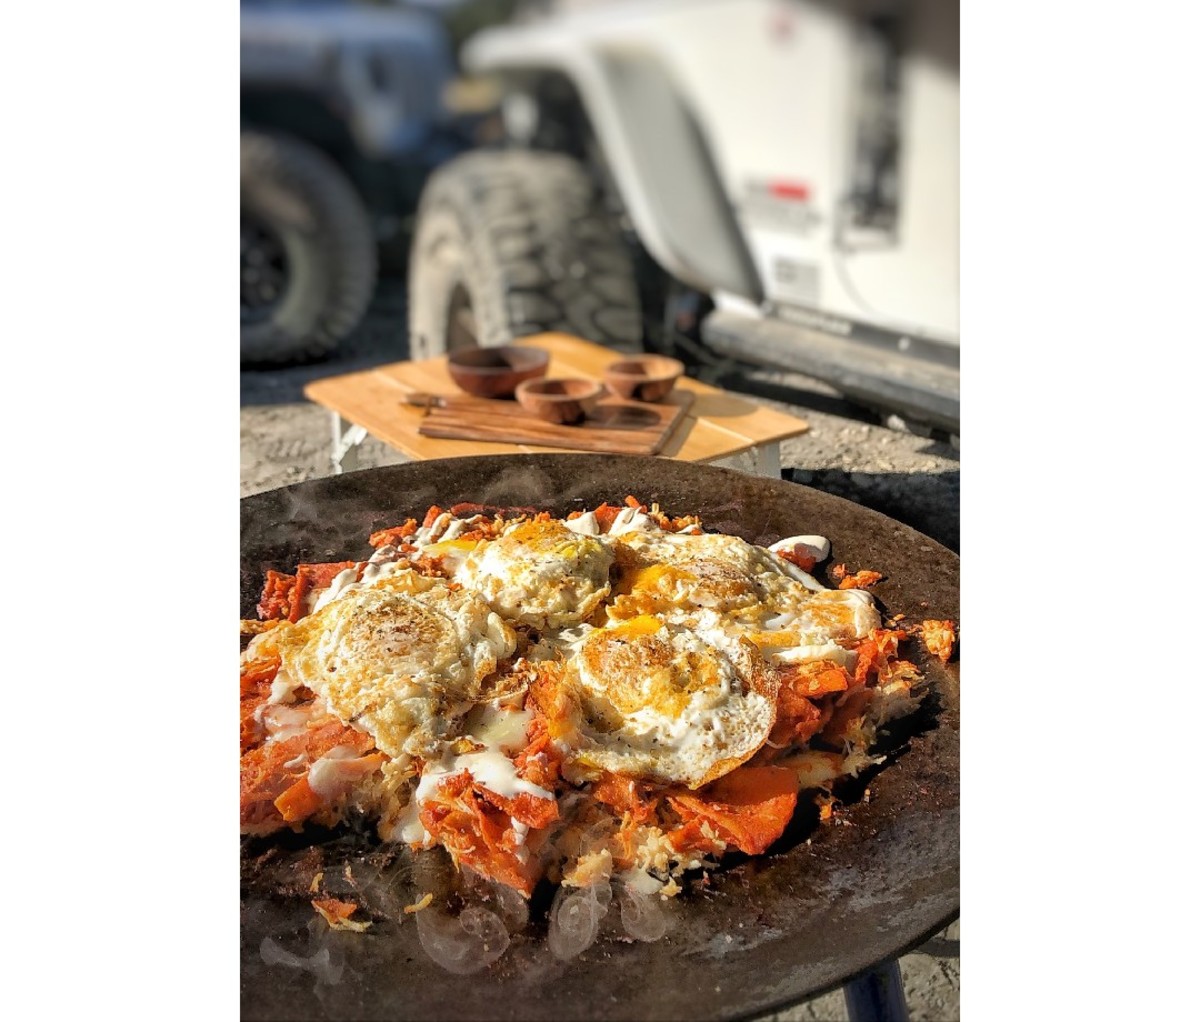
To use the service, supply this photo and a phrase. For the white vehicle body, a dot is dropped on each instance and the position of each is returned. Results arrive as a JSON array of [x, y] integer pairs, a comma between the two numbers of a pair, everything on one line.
[[795, 160]]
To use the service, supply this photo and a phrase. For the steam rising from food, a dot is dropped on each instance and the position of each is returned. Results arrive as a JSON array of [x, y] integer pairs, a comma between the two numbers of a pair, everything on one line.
[[575, 919], [320, 963], [642, 914], [465, 943]]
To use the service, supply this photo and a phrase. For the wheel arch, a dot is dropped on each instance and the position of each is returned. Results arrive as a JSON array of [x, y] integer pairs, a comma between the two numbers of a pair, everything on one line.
[[654, 147], [302, 113], [311, 117]]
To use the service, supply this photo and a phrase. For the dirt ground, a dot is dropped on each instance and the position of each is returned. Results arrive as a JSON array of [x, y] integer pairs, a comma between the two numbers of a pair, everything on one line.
[[848, 451]]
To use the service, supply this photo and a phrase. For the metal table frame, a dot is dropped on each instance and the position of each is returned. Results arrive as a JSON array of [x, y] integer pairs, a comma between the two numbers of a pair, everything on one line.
[[348, 437]]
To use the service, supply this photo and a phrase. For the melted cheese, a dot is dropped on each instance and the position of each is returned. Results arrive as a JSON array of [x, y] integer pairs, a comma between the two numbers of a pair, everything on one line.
[[497, 729], [632, 520]]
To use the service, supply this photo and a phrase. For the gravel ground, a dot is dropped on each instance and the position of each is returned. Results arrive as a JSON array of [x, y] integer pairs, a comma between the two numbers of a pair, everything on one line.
[[847, 451]]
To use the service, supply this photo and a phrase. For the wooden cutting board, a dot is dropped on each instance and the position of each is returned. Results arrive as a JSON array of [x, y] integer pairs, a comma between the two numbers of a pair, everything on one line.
[[613, 427]]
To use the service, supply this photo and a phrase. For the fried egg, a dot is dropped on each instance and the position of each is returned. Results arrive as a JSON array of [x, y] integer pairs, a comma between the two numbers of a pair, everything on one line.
[[722, 583], [400, 658], [540, 573], [667, 703], [663, 572], [793, 616]]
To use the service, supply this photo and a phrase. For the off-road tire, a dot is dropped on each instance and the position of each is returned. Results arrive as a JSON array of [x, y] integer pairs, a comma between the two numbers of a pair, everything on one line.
[[300, 194], [526, 237]]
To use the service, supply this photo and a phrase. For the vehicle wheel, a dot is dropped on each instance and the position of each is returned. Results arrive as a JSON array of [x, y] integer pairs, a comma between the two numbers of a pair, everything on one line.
[[308, 254], [512, 243]]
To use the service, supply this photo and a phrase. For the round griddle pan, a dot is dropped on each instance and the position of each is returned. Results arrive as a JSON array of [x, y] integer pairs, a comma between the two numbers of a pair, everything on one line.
[[826, 903]]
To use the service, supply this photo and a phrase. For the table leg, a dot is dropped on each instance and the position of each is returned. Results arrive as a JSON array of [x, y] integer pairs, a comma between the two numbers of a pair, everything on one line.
[[766, 458], [346, 438], [877, 995]]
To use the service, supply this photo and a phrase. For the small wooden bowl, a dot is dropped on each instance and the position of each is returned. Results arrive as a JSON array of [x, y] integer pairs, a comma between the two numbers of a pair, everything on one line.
[[644, 378], [495, 372], [562, 401]]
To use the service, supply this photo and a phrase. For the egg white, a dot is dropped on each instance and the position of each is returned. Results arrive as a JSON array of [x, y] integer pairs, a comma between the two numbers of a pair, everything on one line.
[[399, 658], [669, 704], [663, 572], [540, 574]]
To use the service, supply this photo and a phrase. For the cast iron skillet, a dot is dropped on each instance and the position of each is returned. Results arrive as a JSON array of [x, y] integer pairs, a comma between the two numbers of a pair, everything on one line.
[[767, 932]]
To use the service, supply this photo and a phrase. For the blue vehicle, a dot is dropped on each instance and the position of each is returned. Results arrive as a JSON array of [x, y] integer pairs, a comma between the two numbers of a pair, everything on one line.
[[343, 117]]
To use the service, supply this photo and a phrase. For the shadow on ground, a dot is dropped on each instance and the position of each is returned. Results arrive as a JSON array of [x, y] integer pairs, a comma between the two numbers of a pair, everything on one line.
[[809, 397], [925, 501], [382, 337]]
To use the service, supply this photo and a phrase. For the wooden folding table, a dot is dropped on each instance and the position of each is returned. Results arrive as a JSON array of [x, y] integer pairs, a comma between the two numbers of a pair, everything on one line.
[[718, 427]]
